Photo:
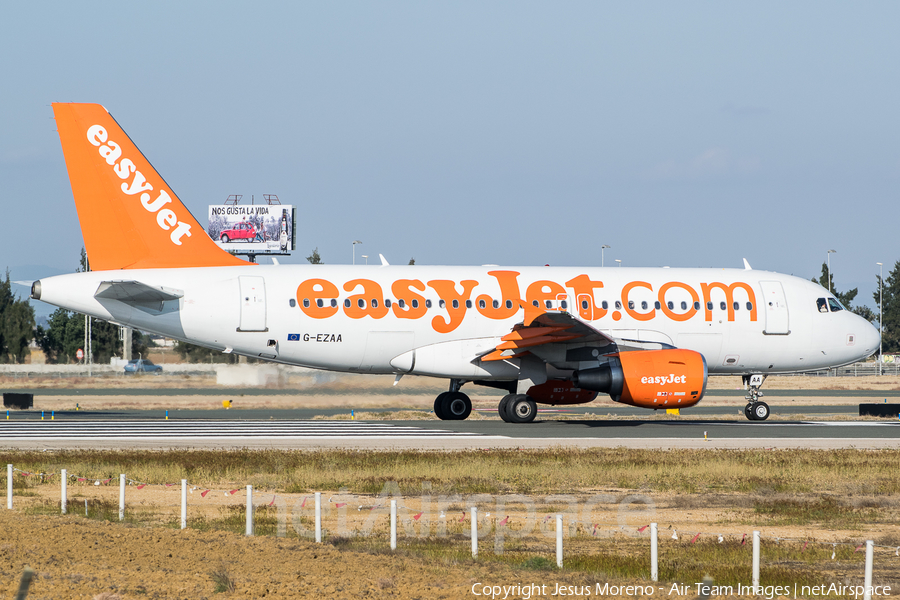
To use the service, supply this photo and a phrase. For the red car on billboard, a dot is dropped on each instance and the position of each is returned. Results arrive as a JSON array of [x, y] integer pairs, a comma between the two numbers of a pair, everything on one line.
[[241, 231]]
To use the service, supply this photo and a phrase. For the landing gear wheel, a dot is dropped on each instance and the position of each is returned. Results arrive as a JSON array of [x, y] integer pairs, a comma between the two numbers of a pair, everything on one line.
[[521, 409], [748, 411], [455, 406], [501, 408], [439, 406], [760, 411]]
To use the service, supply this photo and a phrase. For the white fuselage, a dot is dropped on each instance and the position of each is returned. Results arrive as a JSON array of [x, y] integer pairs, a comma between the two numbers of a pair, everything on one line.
[[742, 321]]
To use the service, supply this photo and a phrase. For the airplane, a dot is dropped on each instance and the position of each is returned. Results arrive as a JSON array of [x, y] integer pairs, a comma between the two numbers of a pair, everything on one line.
[[647, 337]]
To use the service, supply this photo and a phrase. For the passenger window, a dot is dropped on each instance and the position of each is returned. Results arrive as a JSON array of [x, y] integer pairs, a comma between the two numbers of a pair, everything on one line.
[[548, 304], [584, 305], [415, 303], [834, 305], [469, 304], [428, 304], [709, 306], [644, 305], [696, 306], [387, 302], [631, 304], [305, 304], [618, 305], [509, 304], [657, 305], [456, 304], [564, 304], [684, 306], [495, 303], [347, 303], [535, 303], [671, 304], [749, 306], [292, 302], [333, 303], [319, 302], [401, 303], [361, 303], [482, 304], [737, 306], [604, 305], [441, 304], [822, 305], [723, 306], [374, 303]]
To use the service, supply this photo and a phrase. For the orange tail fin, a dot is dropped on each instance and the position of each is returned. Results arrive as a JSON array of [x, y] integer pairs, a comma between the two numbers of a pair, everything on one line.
[[130, 218]]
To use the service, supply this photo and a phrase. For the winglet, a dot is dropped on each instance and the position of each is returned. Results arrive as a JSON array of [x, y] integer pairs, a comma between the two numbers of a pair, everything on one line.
[[747, 266], [130, 218]]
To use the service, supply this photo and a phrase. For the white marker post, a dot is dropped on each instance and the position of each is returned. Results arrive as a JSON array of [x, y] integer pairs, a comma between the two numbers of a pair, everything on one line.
[[474, 532], [184, 503], [122, 496], [870, 550], [755, 562], [393, 524], [9, 474], [318, 517], [62, 496], [559, 553], [654, 552], [249, 530]]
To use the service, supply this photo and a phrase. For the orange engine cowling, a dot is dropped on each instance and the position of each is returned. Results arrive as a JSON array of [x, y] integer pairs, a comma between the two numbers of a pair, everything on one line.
[[560, 392], [649, 378]]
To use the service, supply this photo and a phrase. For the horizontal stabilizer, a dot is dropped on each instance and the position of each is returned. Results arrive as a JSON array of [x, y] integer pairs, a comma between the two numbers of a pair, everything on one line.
[[137, 294]]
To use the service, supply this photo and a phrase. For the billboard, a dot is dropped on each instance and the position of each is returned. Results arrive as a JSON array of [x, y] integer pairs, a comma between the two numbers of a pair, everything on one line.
[[252, 228]]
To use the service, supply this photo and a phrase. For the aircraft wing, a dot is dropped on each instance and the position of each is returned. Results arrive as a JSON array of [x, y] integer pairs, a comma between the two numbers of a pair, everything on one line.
[[541, 327], [137, 294]]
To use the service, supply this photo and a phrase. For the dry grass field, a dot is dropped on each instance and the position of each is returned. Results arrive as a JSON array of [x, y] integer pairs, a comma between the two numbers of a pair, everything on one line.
[[807, 505]]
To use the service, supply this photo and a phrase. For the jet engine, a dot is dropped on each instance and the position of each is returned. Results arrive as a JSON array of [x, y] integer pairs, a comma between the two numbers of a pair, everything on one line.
[[649, 378]]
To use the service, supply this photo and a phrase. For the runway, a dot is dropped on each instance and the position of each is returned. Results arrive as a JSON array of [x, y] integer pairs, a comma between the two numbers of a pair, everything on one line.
[[152, 432]]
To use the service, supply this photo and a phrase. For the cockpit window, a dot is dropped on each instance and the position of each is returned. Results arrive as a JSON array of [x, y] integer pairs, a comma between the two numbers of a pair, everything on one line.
[[822, 305], [834, 305]]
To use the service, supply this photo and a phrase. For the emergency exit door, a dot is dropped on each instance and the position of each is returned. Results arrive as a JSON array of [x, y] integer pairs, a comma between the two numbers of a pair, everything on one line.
[[777, 322], [253, 304]]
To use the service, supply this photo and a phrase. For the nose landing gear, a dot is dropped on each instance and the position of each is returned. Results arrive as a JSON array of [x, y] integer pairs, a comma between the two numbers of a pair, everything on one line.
[[755, 410]]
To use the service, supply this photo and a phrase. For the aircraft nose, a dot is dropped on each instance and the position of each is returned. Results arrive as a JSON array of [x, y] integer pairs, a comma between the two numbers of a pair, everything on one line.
[[869, 338]]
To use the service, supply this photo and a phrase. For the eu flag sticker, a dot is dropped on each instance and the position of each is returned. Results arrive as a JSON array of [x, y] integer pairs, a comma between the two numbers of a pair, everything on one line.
[[293, 337]]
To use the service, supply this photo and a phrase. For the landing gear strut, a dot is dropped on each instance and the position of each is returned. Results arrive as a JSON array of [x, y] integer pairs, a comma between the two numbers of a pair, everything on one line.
[[755, 410], [453, 405]]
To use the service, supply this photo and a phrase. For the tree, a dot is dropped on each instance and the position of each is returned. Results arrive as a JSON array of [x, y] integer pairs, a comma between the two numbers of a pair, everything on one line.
[[314, 258], [64, 334], [845, 298], [16, 324], [412, 261], [890, 338]]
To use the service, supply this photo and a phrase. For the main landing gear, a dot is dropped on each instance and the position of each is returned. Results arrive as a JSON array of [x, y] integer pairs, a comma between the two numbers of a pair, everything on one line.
[[453, 405], [755, 410], [517, 408]]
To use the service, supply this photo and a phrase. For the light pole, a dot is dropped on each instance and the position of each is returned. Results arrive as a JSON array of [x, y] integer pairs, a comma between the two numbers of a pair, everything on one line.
[[355, 242], [828, 262], [365, 256], [880, 313], [602, 248], [619, 261]]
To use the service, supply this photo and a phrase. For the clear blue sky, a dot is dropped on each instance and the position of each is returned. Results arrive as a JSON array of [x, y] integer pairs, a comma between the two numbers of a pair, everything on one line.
[[682, 134]]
